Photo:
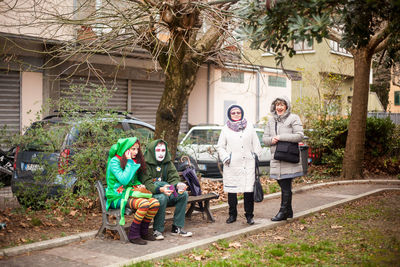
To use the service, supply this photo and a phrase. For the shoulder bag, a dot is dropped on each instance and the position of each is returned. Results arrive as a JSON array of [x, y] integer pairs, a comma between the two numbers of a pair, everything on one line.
[[287, 151]]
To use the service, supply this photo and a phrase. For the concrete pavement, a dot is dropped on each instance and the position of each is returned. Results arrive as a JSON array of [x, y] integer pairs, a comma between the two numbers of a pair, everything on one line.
[[85, 250]]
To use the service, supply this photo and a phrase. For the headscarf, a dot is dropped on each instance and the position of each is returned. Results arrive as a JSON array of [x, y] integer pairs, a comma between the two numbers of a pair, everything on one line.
[[236, 125]]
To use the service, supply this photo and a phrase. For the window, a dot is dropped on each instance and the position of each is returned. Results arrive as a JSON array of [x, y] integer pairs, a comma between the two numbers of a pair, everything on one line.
[[397, 98], [335, 47], [232, 76], [302, 46], [204, 137], [276, 81]]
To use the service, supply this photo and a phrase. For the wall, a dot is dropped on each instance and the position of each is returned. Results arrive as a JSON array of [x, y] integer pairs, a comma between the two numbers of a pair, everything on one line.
[[312, 65], [244, 94], [197, 102], [31, 97], [23, 20]]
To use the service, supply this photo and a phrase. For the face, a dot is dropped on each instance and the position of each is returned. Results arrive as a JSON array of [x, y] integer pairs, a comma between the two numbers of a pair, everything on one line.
[[280, 107], [160, 151], [134, 150], [236, 114]]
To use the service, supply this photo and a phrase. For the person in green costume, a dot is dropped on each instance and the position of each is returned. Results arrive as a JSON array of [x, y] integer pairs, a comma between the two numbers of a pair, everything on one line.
[[125, 162], [162, 179]]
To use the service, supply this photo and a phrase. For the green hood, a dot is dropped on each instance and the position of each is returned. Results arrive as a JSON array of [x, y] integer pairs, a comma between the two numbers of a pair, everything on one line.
[[120, 147], [150, 155]]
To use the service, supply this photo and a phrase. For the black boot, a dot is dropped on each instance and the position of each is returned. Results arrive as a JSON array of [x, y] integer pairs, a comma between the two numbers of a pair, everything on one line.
[[290, 210], [134, 234], [249, 207], [232, 201], [283, 211], [144, 232]]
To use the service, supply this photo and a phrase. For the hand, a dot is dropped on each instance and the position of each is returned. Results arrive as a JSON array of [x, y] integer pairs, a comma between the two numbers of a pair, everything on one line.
[[227, 162], [181, 187], [141, 186], [165, 190], [128, 154], [275, 139]]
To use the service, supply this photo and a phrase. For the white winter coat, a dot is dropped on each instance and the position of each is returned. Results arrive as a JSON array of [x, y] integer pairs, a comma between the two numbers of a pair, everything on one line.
[[239, 147], [289, 128]]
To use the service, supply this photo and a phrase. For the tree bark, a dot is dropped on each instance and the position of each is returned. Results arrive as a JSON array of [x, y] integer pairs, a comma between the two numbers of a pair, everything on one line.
[[180, 78], [354, 151]]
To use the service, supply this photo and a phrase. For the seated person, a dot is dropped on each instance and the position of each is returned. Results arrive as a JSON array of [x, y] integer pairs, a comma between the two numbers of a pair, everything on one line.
[[162, 179], [125, 160]]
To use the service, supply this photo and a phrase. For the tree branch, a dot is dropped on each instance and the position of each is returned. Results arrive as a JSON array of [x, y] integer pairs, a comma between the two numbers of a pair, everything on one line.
[[382, 45], [379, 38], [334, 35]]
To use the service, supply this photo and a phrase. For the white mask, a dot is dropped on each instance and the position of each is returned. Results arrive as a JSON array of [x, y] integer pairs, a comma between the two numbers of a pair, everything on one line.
[[160, 152]]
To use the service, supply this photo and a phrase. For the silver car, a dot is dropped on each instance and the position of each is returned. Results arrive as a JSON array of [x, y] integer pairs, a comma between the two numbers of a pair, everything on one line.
[[200, 143]]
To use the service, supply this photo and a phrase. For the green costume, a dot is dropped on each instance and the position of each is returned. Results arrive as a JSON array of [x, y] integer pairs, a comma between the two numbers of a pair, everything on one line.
[[120, 181], [157, 175]]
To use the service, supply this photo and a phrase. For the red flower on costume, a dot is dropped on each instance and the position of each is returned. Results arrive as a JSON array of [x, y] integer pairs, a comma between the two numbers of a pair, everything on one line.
[[120, 189]]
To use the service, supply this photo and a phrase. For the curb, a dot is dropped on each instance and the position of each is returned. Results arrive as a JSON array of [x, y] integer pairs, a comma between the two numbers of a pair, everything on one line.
[[52, 243], [14, 251]]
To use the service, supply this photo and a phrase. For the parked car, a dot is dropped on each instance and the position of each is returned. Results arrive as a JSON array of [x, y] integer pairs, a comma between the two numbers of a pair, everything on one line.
[[200, 143], [36, 159]]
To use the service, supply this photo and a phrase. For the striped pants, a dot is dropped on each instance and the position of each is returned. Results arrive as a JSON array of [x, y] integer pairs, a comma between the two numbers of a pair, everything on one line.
[[146, 209]]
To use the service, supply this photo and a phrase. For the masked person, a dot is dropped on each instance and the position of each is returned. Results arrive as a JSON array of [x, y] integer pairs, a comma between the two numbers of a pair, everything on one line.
[[283, 126], [162, 179], [124, 189], [237, 143]]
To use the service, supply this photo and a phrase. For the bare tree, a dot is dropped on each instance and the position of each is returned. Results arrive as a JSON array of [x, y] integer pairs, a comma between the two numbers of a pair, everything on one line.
[[180, 35]]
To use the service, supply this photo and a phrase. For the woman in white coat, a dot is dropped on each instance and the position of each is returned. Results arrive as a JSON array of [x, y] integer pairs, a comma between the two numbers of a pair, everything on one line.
[[283, 126], [236, 145]]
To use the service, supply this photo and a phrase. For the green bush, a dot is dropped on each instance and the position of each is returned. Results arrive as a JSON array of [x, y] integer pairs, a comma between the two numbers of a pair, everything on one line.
[[378, 136], [328, 140]]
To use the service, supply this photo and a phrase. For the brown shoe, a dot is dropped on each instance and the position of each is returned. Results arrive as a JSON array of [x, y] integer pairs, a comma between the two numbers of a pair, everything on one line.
[[149, 237], [138, 241]]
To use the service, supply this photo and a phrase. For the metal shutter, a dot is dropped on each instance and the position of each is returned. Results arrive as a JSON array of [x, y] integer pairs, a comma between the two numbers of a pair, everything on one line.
[[146, 96], [118, 101], [10, 101]]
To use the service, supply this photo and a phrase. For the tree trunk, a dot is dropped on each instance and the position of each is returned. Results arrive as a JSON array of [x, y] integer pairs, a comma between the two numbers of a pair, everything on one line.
[[180, 77], [354, 152]]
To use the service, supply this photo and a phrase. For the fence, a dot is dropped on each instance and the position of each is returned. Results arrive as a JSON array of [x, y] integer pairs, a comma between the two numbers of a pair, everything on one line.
[[395, 117]]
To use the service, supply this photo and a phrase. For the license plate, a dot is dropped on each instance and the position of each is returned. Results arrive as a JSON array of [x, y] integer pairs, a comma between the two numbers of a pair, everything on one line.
[[32, 167], [202, 167]]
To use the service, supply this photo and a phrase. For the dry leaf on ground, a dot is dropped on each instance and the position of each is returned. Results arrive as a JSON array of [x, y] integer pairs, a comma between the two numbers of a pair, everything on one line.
[[235, 244]]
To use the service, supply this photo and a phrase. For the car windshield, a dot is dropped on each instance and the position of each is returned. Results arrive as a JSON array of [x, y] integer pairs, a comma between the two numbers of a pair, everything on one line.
[[204, 136]]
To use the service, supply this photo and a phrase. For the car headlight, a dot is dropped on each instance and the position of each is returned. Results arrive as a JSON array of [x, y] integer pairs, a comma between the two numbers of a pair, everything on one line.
[[202, 167]]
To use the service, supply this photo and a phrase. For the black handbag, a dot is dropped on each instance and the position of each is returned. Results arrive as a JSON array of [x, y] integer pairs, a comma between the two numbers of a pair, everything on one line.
[[287, 151], [258, 190]]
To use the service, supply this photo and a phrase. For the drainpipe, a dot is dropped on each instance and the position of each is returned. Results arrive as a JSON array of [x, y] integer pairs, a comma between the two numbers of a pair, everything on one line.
[[208, 94], [258, 95]]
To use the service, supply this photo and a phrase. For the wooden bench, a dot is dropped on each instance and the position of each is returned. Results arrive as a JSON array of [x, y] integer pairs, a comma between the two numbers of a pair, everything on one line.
[[107, 223], [203, 205], [202, 201]]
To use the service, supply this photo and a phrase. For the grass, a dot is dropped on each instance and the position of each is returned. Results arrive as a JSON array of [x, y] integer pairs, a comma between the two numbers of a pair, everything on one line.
[[362, 233]]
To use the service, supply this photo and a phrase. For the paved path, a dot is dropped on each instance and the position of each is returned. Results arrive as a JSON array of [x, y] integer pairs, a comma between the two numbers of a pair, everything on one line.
[[85, 250]]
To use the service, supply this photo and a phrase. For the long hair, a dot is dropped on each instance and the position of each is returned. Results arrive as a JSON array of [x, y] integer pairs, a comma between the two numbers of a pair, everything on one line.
[[139, 159]]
